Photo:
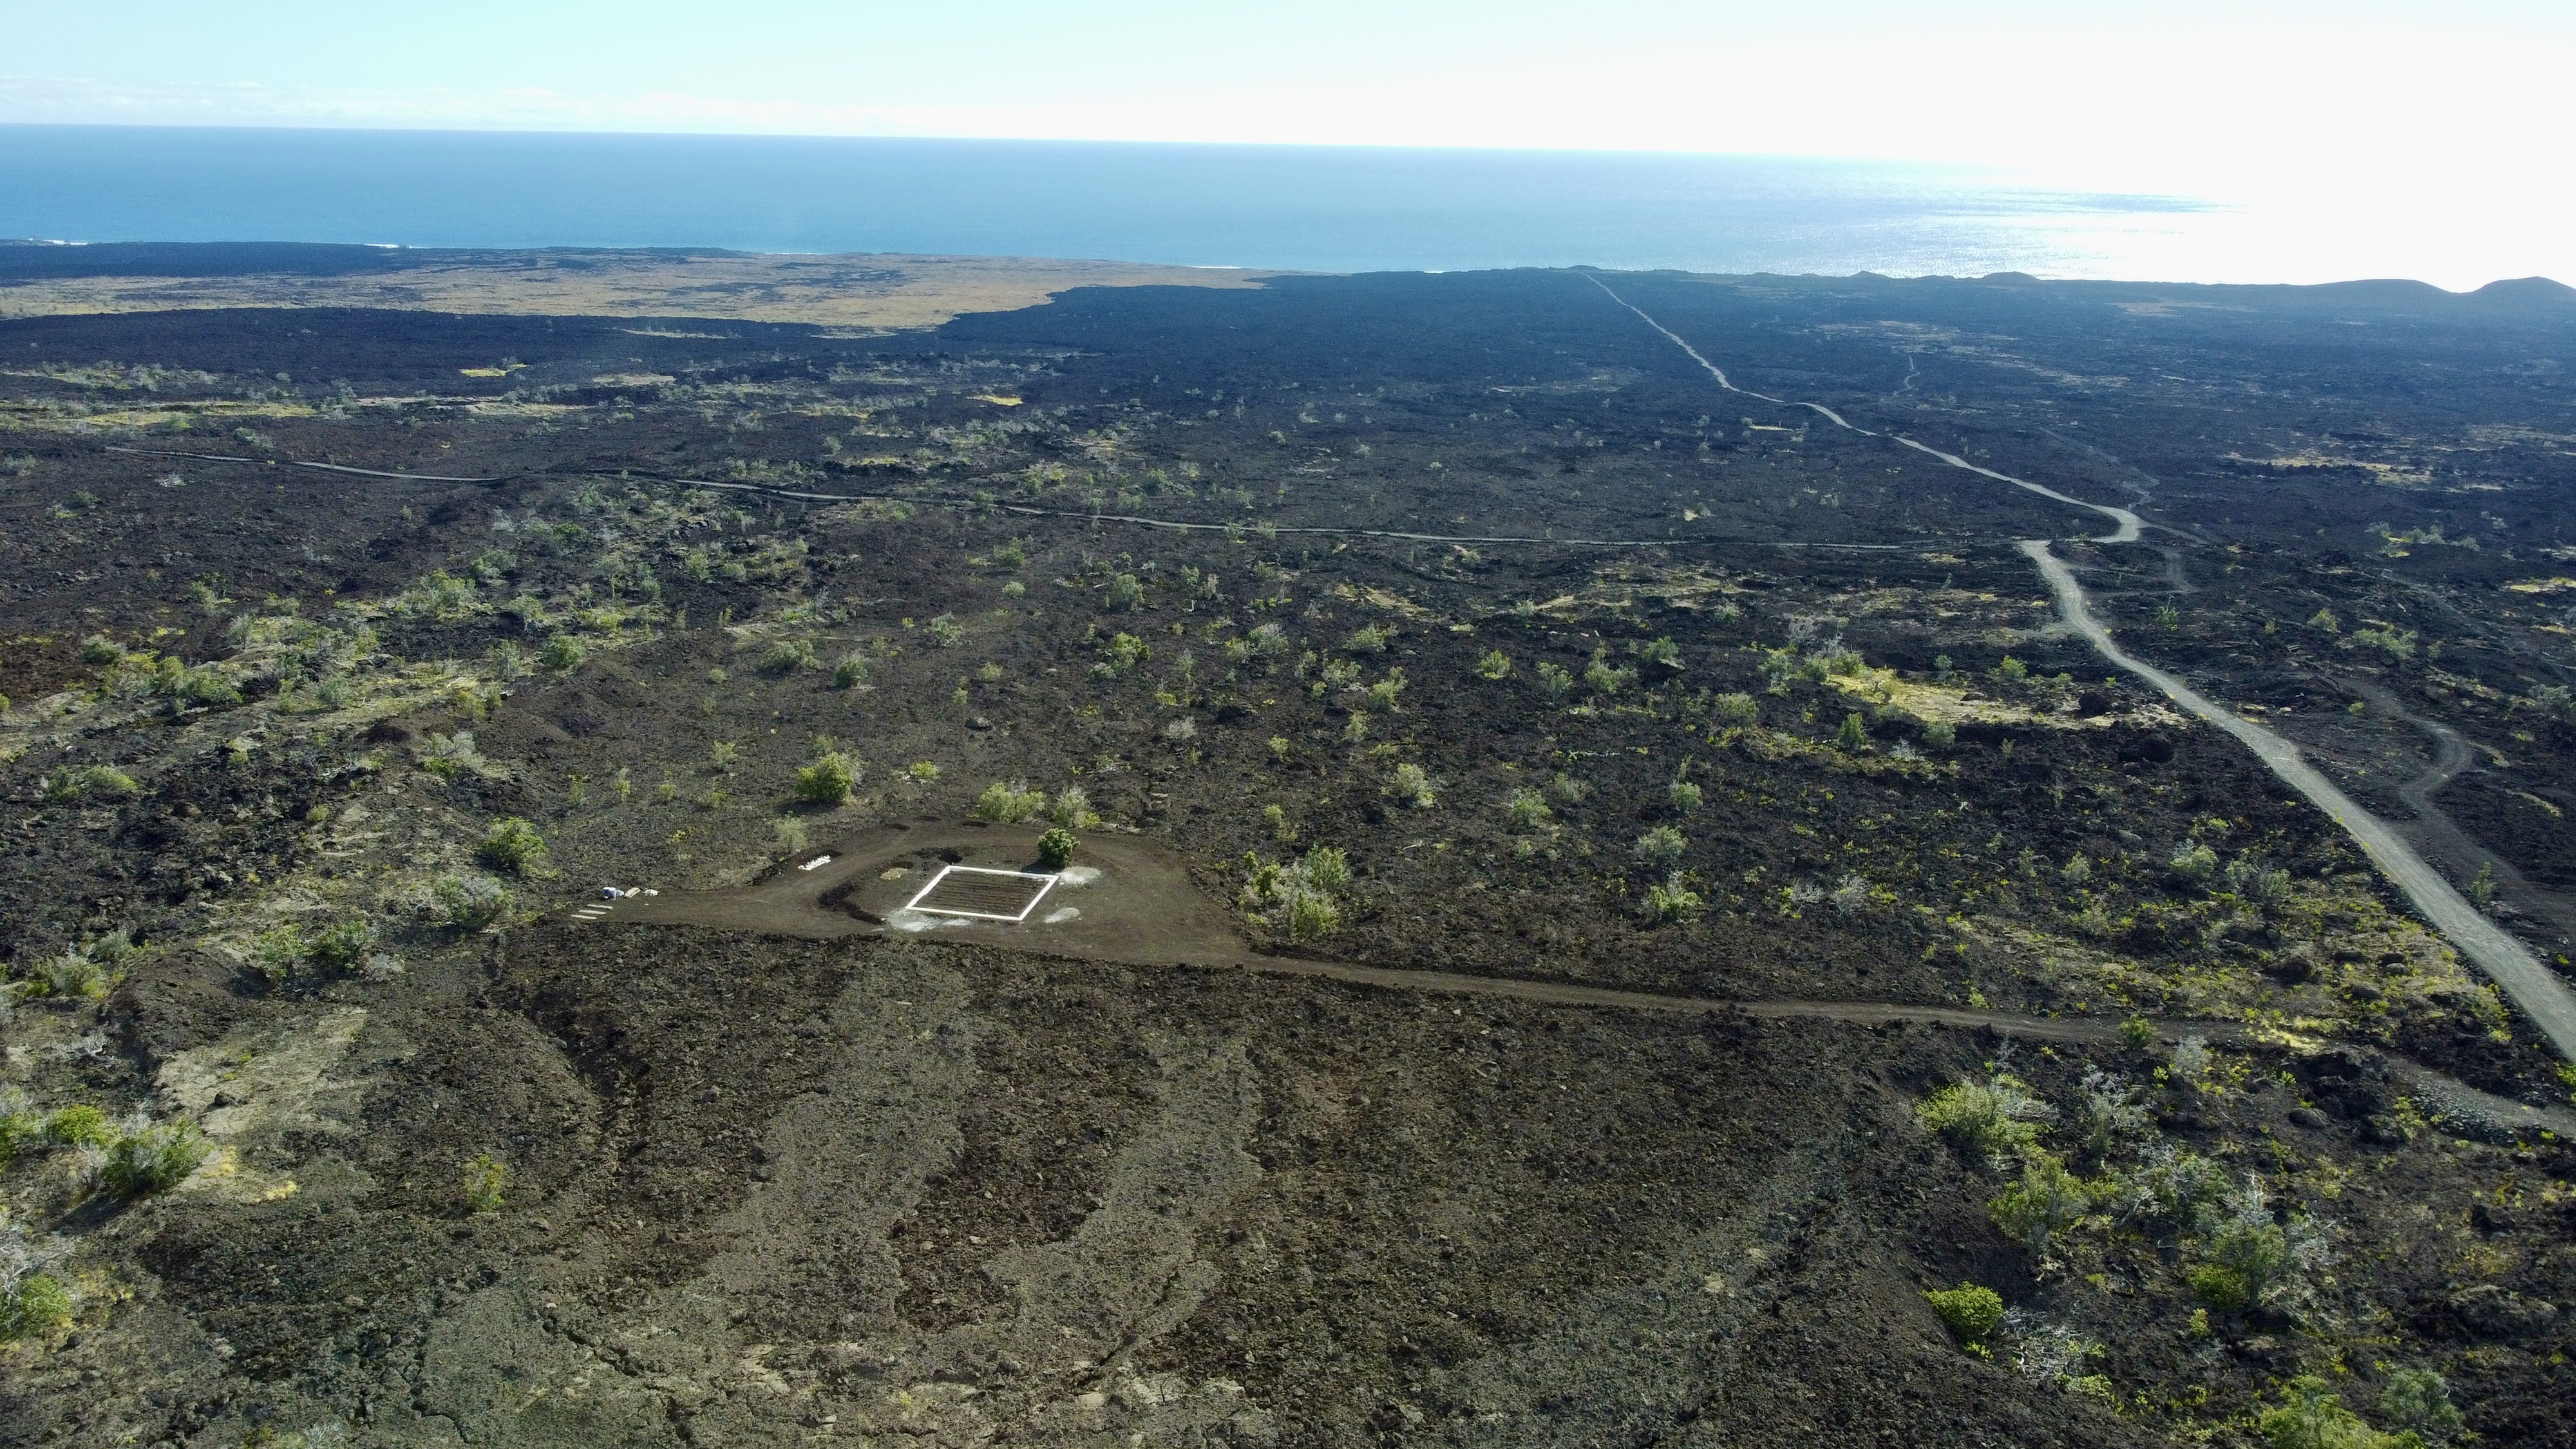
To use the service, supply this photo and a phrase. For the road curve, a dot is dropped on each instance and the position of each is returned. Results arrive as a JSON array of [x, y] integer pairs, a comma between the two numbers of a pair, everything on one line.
[[2533, 986], [2544, 999]]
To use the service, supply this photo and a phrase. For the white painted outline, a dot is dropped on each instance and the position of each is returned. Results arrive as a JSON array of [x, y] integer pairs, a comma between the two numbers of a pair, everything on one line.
[[915, 904]]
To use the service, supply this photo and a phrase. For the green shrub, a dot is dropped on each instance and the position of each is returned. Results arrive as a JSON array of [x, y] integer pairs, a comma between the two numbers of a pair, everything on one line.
[[1370, 639], [36, 1306], [100, 649], [71, 976], [1412, 786], [1602, 675], [2046, 1202], [851, 671], [1970, 1312], [1056, 847], [468, 902], [786, 656], [564, 653], [2310, 1416], [64, 786], [1527, 809], [79, 1127], [1998, 1119], [342, 944], [1071, 808], [1662, 651], [945, 631], [2251, 1256], [1672, 900], [1327, 866], [1120, 656], [1853, 737], [1008, 804], [485, 1179], [1941, 734], [21, 1125], [1555, 678], [1682, 795], [1495, 665], [511, 845], [828, 780], [153, 1157], [2193, 861], [1661, 845], [2418, 1402], [1126, 594], [2220, 1287], [1736, 709]]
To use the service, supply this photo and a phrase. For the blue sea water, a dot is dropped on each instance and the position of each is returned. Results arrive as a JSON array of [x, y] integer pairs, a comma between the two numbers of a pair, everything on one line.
[[1316, 208]]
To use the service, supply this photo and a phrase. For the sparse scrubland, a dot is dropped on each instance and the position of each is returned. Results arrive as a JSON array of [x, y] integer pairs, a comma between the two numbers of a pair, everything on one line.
[[324, 1122]]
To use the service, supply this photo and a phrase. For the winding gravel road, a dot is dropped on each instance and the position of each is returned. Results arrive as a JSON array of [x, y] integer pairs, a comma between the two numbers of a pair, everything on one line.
[[2532, 986]]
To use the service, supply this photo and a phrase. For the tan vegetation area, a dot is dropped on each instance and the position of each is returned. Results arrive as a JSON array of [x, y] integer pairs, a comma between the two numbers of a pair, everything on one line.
[[860, 292]]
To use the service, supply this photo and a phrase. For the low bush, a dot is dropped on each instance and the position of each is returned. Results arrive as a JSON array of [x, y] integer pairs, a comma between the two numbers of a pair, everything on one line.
[[1527, 809], [342, 944], [1970, 1312], [1683, 796], [1736, 709], [1056, 847], [828, 780], [79, 1127], [2045, 1203], [1369, 639], [1120, 656], [1008, 803], [1327, 866], [65, 786], [786, 656], [511, 845], [485, 1180], [1660, 846], [1412, 786], [2310, 1416], [151, 1157], [1999, 1119], [1071, 808], [2418, 1402], [467, 902], [1495, 665], [1672, 900], [34, 1306], [564, 653], [851, 671]]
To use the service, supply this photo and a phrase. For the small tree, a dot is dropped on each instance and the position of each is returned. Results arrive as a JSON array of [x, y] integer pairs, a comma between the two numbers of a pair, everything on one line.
[[1056, 847], [1853, 737]]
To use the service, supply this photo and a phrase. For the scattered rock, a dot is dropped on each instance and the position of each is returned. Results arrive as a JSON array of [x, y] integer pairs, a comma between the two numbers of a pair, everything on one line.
[[2494, 1312]]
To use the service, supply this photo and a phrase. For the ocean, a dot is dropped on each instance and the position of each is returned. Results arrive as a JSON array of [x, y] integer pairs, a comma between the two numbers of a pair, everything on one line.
[[1334, 209]]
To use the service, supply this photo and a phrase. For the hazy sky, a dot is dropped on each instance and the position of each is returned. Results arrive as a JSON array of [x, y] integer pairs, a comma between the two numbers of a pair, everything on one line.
[[2418, 118]]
